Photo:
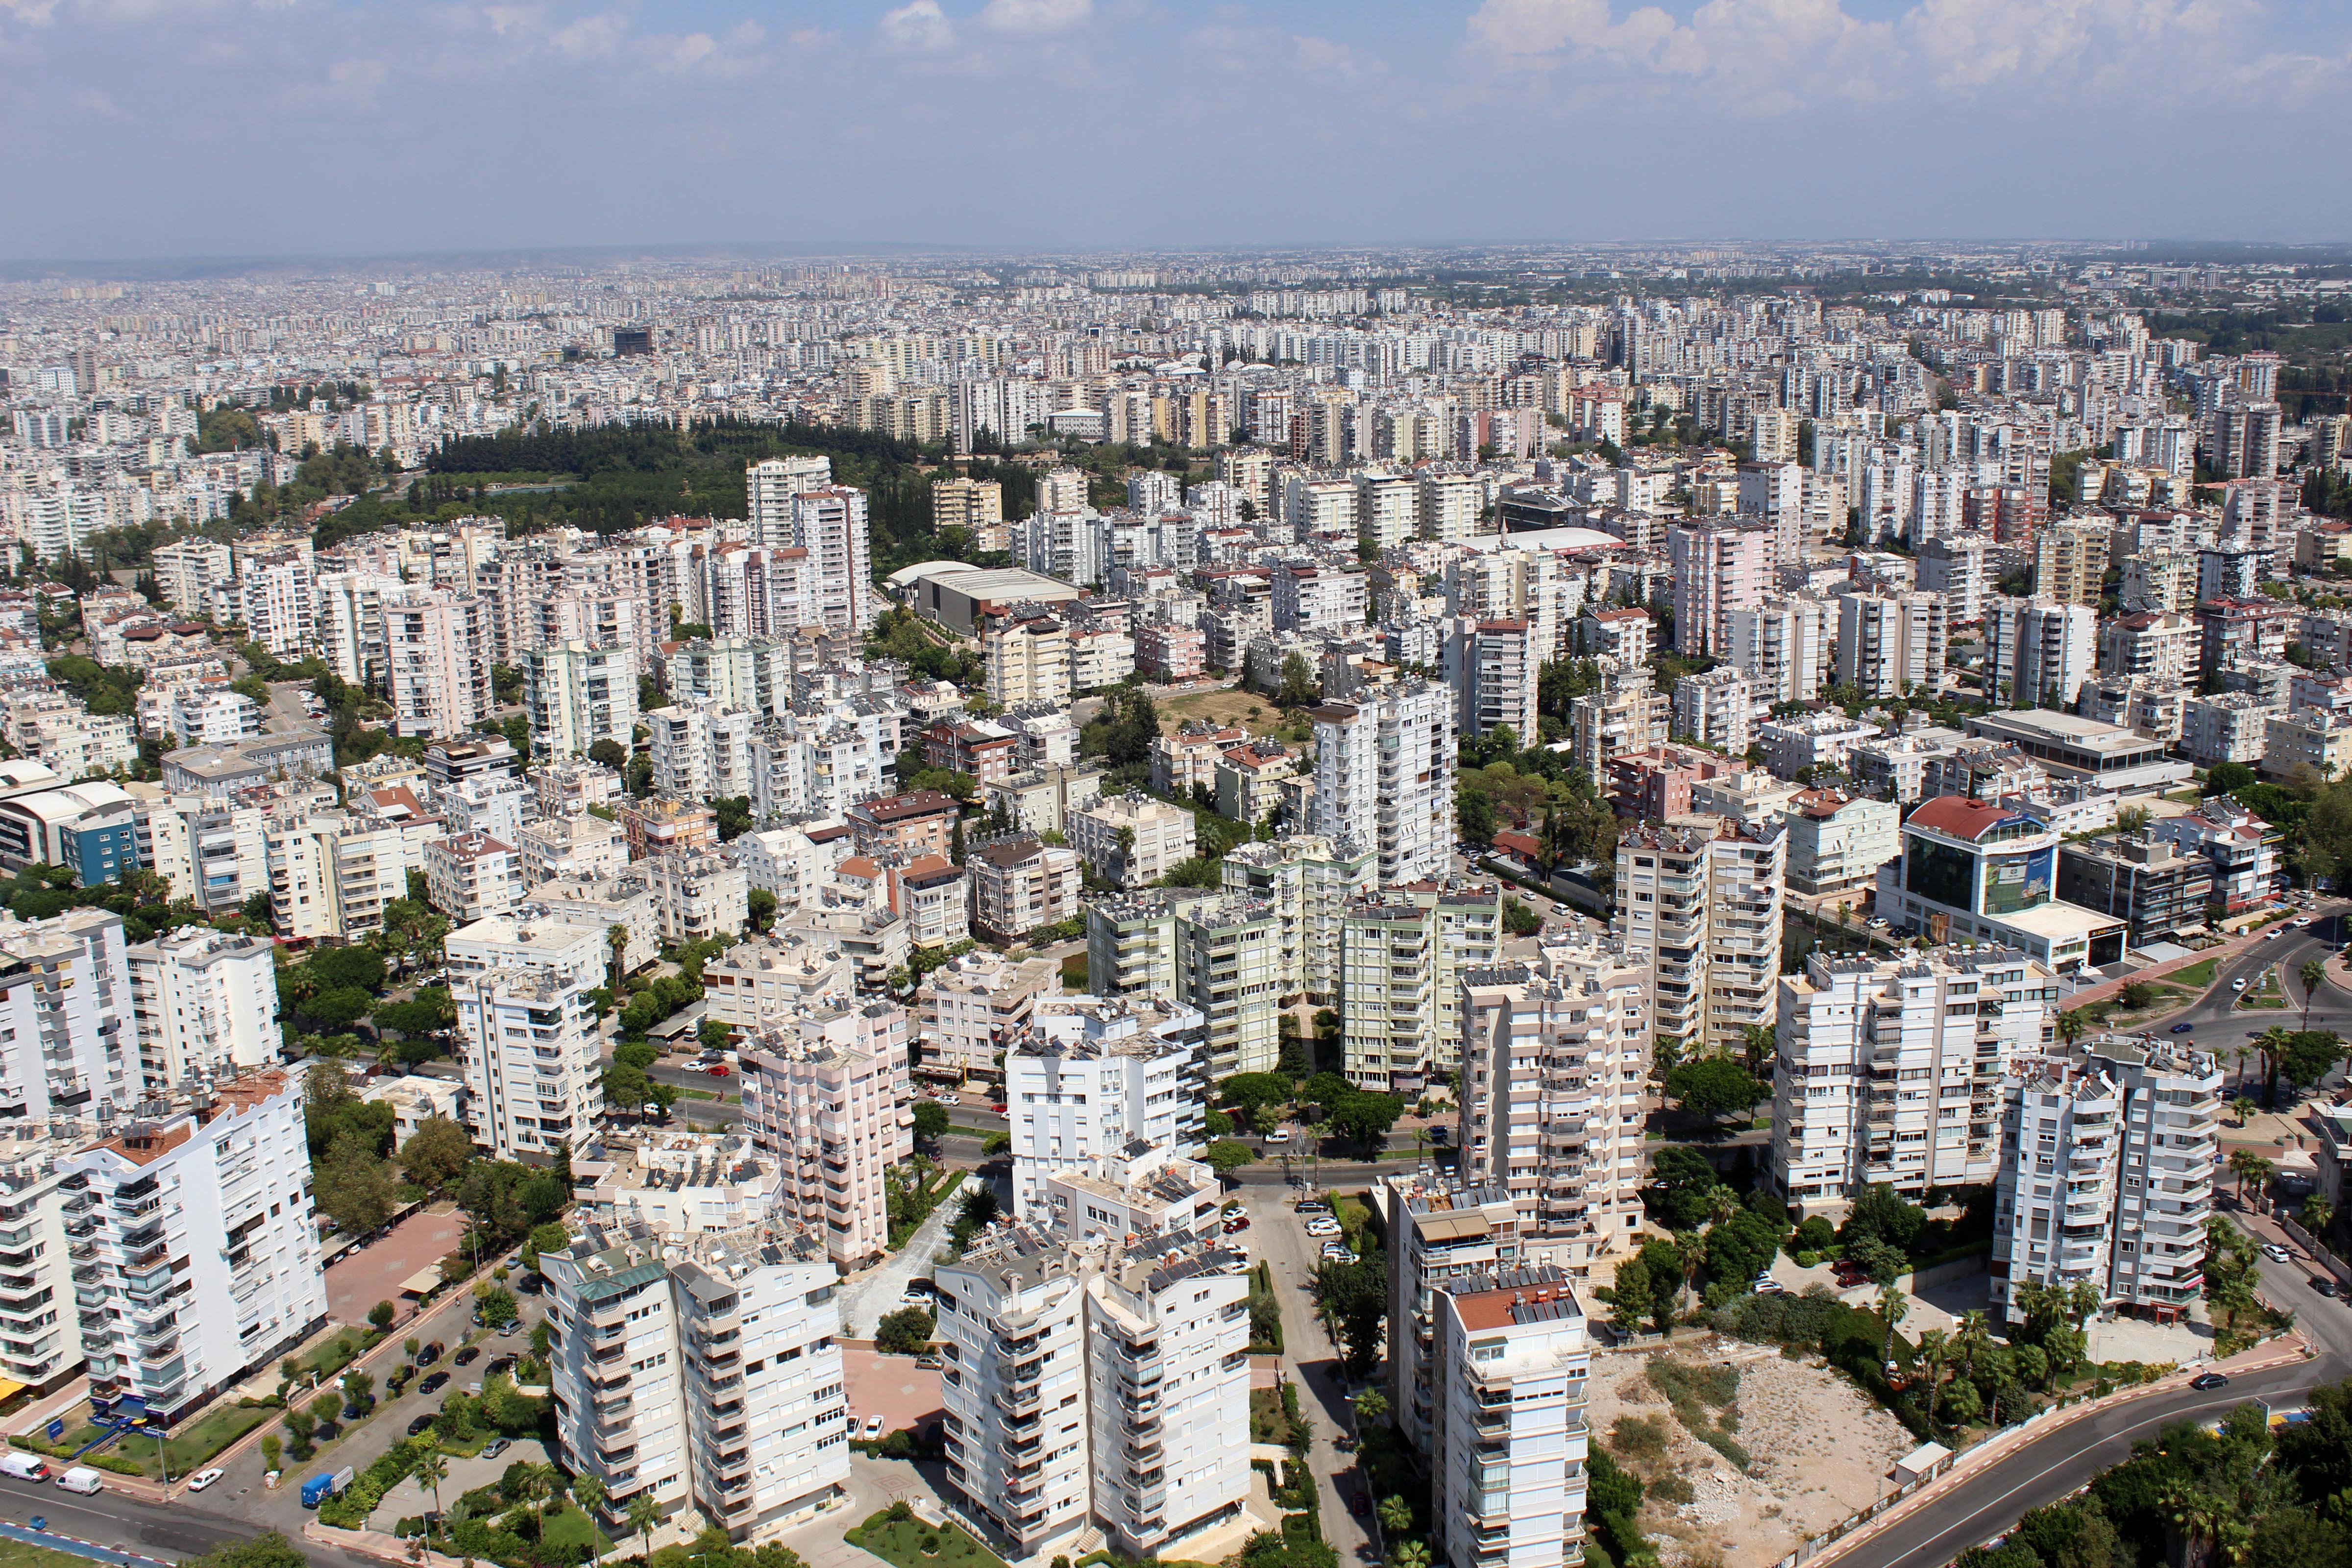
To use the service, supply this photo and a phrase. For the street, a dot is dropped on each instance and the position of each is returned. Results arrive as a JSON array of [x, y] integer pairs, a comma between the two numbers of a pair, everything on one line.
[[184, 1529]]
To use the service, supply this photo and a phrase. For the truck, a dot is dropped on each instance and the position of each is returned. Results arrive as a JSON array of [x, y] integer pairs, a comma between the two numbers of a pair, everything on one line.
[[23, 1467], [81, 1478], [322, 1486]]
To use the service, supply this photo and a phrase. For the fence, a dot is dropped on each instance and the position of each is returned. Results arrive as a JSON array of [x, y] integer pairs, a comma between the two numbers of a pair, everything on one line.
[[1854, 1521], [2319, 1252]]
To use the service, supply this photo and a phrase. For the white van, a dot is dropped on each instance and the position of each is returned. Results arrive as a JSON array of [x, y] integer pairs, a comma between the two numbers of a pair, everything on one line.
[[81, 1478], [23, 1467]]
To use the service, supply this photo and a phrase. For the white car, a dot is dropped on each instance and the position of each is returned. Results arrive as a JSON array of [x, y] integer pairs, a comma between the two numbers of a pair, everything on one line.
[[873, 1426], [204, 1479], [1280, 1136], [2237, 985], [1322, 1226], [2275, 1253]]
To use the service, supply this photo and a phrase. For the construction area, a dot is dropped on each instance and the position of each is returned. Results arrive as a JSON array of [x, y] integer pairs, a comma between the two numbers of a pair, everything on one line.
[[1743, 1454]]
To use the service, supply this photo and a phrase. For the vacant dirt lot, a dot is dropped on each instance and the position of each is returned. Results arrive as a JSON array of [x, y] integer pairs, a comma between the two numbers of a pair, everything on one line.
[[1817, 1450], [1225, 707]]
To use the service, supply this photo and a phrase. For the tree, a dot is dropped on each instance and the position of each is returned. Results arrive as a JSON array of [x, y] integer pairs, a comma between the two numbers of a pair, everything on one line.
[[1396, 1514], [2223, 778], [496, 1305], [645, 1514], [1935, 1354], [268, 1550], [2072, 1025], [1372, 1407], [1353, 1297], [381, 1315], [761, 905], [2318, 1213], [432, 1468], [436, 1152], [616, 938], [932, 1122], [1364, 1120], [1408, 1555], [2313, 973], [1227, 1155], [1892, 1306], [905, 1332], [353, 1186], [1298, 686], [1474, 810], [1715, 1086], [1882, 1213]]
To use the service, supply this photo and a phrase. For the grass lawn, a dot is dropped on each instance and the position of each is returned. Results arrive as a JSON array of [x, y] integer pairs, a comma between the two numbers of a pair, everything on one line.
[[335, 1354], [2197, 976], [18, 1554], [571, 1527], [188, 1449], [1074, 972], [899, 1541], [1268, 1424]]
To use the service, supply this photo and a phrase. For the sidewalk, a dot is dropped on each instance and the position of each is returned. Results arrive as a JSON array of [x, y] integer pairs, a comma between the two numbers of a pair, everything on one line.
[[2220, 954]]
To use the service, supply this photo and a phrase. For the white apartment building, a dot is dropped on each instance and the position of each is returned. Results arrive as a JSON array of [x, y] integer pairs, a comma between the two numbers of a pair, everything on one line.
[[1712, 709], [701, 1371], [1310, 884], [564, 847], [1700, 906], [528, 1038], [212, 716], [697, 894], [1890, 644], [1403, 954], [827, 1097], [1492, 665], [1836, 844], [472, 877], [41, 1345], [203, 1003], [64, 1048], [1781, 645], [971, 1008], [200, 1221], [1132, 839], [189, 571], [330, 873], [577, 694], [1082, 1094], [758, 985], [1384, 778], [1555, 1061], [437, 655], [1889, 1069], [1021, 883], [1442, 1234], [1013, 1315], [701, 750], [1510, 1441], [2108, 1160], [1026, 655], [1717, 569], [274, 595], [2227, 727]]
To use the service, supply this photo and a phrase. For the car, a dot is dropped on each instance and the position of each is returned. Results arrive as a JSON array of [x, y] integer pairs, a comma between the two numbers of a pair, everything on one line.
[[511, 1328], [418, 1424], [497, 1364], [468, 1356], [1440, 1134], [2271, 935], [204, 1479], [1238, 1222], [2208, 1379], [1001, 1109], [1360, 1502], [873, 1426], [2327, 1287], [2182, 1028], [2275, 1252], [2239, 983], [430, 1353], [434, 1383], [1310, 1206], [1319, 1227], [530, 1284], [1339, 1252], [1280, 1136], [929, 1363], [719, 1071], [494, 1447]]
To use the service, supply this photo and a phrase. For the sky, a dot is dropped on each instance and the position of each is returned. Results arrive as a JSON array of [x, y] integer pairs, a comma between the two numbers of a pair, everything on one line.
[[249, 127]]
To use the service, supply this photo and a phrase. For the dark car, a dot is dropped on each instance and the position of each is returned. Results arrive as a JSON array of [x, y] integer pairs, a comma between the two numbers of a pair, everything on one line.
[[1360, 1502], [2326, 1287], [434, 1383], [2208, 1380], [2182, 1028], [530, 1284], [468, 1356], [430, 1353], [497, 1364], [421, 1423]]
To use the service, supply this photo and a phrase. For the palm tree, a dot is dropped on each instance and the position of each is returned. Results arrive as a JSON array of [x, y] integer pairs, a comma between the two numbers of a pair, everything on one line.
[[2272, 1045], [1408, 1555], [540, 1482], [2241, 1163], [1396, 1515], [2313, 973], [588, 1492], [1975, 1335], [1721, 1204], [1935, 1350], [2082, 1301], [2243, 1109], [2318, 1213], [2072, 1023], [1894, 1306], [617, 937], [644, 1514]]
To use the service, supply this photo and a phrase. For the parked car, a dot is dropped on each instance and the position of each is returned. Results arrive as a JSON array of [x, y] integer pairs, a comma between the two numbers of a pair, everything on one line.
[[468, 1356], [1280, 1136], [1322, 1226], [929, 1363], [497, 1364], [430, 1353], [420, 1423], [873, 1426], [511, 1328], [204, 1479], [2275, 1252], [1238, 1222], [2326, 1287], [434, 1383], [1310, 1206], [495, 1446], [2208, 1379]]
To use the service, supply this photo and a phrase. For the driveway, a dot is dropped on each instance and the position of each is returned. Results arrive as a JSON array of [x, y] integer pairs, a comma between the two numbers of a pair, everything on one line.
[[892, 1386], [867, 1298], [363, 1275]]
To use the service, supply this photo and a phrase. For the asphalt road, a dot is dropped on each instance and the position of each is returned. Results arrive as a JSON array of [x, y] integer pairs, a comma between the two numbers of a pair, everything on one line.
[[118, 1519], [2218, 1025], [2054, 1466]]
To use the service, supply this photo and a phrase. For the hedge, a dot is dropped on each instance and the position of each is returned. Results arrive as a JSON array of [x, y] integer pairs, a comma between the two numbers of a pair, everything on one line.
[[95, 1461], [351, 1511]]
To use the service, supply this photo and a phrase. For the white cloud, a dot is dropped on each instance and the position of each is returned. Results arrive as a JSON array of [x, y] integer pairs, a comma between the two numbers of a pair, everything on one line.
[[735, 56], [97, 102], [591, 37], [515, 21], [1035, 16], [1321, 56], [34, 13], [918, 29]]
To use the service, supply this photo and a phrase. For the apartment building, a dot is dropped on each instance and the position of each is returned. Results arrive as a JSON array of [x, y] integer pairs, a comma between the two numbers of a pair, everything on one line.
[[195, 1225], [1629, 713], [2107, 1155], [1220, 955], [274, 594], [40, 1345], [697, 894], [203, 1003], [1699, 905], [1025, 651], [1403, 954], [63, 1044], [921, 822], [1837, 844], [1889, 1069], [1106, 1389], [661, 824], [562, 847], [701, 1372], [2153, 646], [827, 1097], [1512, 1358], [1384, 777], [437, 661], [2149, 881], [973, 1007], [1442, 1234], [2069, 562], [1554, 1062], [332, 872], [1104, 1090], [1712, 709], [1492, 665], [1890, 644], [1309, 882], [1718, 569], [526, 1038], [1781, 645], [759, 983], [577, 693], [472, 877], [189, 571], [1021, 883], [1132, 839]]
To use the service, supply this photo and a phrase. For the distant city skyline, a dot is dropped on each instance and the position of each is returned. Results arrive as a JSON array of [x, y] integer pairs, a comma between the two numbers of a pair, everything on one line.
[[175, 128]]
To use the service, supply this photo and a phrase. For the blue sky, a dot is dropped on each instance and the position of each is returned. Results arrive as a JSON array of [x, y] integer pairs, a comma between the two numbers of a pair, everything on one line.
[[139, 128]]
